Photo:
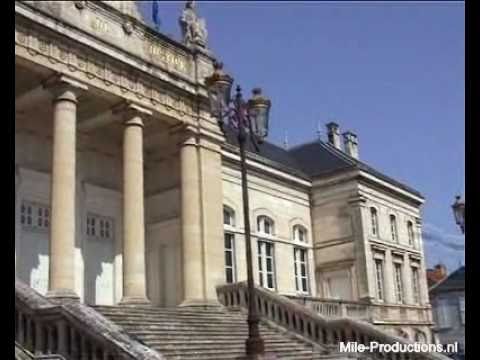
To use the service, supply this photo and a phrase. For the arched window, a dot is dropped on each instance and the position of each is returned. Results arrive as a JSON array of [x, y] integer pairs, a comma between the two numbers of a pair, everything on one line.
[[265, 225], [229, 239], [411, 234], [420, 337], [299, 233], [228, 216], [374, 221], [393, 228]]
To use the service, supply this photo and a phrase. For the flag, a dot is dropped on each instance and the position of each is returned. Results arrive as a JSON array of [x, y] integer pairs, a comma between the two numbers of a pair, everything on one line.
[[155, 18]]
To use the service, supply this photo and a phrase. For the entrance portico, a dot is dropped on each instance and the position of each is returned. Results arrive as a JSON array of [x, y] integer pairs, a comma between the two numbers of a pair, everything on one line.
[[106, 165]]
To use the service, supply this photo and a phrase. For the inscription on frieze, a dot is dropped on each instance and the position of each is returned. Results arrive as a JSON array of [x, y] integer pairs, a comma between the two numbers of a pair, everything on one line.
[[94, 67], [159, 53]]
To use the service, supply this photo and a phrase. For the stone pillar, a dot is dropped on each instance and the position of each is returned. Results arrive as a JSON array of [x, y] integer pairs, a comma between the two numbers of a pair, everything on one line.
[[192, 252], [365, 274], [201, 219], [212, 217], [134, 268], [389, 283], [62, 225]]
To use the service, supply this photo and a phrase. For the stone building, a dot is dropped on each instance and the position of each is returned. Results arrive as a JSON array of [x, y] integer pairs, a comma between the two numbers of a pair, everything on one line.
[[127, 191], [448, 306]]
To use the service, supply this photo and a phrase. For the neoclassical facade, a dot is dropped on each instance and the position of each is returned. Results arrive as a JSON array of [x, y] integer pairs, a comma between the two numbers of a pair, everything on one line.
[[128, 192]]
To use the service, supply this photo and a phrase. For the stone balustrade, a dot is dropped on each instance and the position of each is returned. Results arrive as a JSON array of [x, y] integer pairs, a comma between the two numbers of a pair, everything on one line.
[[315, 326], [70, 330], [332, 308]]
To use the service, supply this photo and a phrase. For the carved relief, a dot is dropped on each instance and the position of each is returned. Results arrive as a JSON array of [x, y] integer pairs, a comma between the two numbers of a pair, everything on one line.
[[78, 60]]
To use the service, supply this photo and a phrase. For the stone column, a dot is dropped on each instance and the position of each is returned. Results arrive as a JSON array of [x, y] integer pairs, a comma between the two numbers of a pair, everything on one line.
[[212, 217], [62, 225], [134, 270], [192, 252]]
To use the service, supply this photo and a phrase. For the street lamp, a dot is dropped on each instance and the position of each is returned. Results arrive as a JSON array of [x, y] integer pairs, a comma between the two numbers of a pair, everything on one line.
[[459, 212], [249, 120]]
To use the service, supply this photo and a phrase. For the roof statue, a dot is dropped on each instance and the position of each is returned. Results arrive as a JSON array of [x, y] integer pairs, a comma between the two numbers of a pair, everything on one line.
[[194, 28]]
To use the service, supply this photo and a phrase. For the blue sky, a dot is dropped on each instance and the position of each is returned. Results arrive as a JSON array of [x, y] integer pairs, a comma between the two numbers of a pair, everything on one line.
[[393, 72]]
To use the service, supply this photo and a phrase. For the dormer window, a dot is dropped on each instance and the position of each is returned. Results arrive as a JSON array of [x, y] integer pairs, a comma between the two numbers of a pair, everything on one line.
[[265, 225]]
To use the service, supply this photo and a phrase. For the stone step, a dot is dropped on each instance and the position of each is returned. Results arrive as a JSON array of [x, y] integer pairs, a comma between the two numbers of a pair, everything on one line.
[[203, 334]]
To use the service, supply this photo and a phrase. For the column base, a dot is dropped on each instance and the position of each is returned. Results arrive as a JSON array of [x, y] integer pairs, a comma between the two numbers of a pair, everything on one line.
[[135, 300], [62, 295], [200, 303]]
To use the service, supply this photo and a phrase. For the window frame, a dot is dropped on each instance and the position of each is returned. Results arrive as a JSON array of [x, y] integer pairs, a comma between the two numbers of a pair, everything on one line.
[[231, 214], [398, 283], [261, 221], [296, 230], [411, 233], [39, 218], [393, 228], [262, 264], [297, 268], [374, 223], [108, 227], [416, 284], [232, 250], [380, 279]]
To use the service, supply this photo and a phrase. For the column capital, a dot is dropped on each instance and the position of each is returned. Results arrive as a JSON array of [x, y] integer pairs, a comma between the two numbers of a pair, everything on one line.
[[131, 113], [63, 87]]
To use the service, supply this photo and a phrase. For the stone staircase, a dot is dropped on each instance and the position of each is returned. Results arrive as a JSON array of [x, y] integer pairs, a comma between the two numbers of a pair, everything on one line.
[[205, 333]]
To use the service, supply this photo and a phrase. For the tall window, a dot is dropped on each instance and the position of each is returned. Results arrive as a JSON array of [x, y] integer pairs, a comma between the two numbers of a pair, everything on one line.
[[461, 308], [416, 285], [99, 227], [265, 225], [398, 283], [411, 234], [230, 275], [229, 239], [266, 266], [393, 228], [301, 273], [379, 279], [299, 233], [374, 221], [34, 216]]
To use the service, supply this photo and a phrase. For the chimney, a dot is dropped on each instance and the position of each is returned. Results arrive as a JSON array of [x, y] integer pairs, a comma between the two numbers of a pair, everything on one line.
[[333, 135], [438, 273], [351, 144]]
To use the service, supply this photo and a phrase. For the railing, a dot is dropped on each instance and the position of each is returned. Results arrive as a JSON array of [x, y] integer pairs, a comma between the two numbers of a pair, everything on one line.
[[315, 327], [331, 308], [70, 329], [334, 308]]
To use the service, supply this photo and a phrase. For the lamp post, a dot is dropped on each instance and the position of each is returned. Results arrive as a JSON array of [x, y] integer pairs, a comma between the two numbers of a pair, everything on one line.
[[249, 119], [458, 208]]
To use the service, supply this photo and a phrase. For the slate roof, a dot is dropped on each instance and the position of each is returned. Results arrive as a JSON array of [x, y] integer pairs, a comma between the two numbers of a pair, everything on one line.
[[454, 282], [310, 160]]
